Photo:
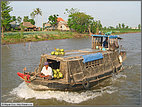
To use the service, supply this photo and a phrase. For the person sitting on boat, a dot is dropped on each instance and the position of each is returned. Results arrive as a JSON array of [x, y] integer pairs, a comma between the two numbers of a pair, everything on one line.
[[46, 71], [105, 43]]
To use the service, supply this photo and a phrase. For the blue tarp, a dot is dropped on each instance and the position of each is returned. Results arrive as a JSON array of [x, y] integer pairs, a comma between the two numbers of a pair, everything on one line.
[[92, 57], [110, 36]]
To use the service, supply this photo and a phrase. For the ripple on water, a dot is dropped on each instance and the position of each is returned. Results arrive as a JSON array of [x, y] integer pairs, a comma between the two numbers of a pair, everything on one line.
[[23, 91]]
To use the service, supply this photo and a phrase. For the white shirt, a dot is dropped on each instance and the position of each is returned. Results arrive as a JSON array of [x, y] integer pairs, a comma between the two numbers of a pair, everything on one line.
[[47, 72]]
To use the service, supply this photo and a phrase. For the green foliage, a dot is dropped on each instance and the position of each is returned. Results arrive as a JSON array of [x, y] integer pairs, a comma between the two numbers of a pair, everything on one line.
[[26, 19], [36, 12], [123, 25], [79, 21], [71, 11], [53, 20], [32, 21], [96, 26], [32, 15], [36, 37], [22, 27], [127, 27], [44, 24], [19, 19], [13, 18], [5, 16], [139, 26], [119, 26], [16, 28], [121, 31]]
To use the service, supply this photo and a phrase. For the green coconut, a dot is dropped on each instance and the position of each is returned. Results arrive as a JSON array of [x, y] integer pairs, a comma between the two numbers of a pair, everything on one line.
[[52, 53], [62, 53], [58, 70], [56, 53], [57, 49], [60, 75], [61, 50], [55, 72], [59, 53], [55, 76]]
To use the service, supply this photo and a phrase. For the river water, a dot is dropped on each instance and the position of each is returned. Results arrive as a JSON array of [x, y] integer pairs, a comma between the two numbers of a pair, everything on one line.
[[122, 89]]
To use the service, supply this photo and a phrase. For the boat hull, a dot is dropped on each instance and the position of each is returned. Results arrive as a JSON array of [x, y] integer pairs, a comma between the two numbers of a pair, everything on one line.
[[42, 85]]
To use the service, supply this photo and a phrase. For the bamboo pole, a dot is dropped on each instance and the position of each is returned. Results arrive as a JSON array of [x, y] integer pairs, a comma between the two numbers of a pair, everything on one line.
[[92, 42]]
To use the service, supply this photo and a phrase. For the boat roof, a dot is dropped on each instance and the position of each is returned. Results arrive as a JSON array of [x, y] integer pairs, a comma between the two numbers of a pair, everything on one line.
[[110, 36]]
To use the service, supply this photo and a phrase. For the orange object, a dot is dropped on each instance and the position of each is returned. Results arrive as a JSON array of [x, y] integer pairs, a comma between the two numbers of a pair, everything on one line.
[[59, 19]]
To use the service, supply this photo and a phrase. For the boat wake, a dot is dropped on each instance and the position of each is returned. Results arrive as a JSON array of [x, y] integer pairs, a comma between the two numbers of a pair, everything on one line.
[[24, 92]]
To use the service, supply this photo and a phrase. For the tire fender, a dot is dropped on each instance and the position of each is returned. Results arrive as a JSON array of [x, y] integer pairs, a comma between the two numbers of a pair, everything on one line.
[[86, 83]]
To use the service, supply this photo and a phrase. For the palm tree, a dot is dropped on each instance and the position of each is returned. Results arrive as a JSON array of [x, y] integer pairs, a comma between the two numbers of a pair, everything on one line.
[[119, 26], [32, 15], [19, 19], [37, 12], [123, 25]]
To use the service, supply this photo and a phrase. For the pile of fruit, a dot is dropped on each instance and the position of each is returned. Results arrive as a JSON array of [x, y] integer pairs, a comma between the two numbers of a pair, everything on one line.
[[58, 52], [57, 73]]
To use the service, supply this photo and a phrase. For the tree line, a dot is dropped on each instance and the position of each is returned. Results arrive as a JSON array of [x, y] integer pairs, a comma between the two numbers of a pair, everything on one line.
[[77, 21]]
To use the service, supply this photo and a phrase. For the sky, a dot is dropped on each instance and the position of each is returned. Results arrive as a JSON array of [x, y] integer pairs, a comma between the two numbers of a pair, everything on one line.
[[110, 13]]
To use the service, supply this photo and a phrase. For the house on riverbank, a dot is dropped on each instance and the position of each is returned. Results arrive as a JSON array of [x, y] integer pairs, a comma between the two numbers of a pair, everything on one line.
[[61, 25], [14, 25], [29, 27]]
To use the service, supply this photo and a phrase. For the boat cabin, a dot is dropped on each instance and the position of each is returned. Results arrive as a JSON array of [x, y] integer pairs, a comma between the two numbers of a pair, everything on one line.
[[109, 42]]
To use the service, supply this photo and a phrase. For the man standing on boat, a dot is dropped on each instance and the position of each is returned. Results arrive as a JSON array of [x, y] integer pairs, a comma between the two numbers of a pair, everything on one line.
[[105, 43], [47, 71]]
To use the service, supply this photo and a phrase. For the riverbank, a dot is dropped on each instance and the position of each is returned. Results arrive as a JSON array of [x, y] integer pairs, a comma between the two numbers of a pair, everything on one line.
[[22, 37]]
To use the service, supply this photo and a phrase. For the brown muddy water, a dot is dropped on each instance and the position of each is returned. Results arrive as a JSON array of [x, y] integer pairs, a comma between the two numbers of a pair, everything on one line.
[[122, 89]]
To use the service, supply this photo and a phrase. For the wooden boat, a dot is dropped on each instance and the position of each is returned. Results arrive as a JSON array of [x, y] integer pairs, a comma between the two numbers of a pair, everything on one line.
[[82, 69]]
